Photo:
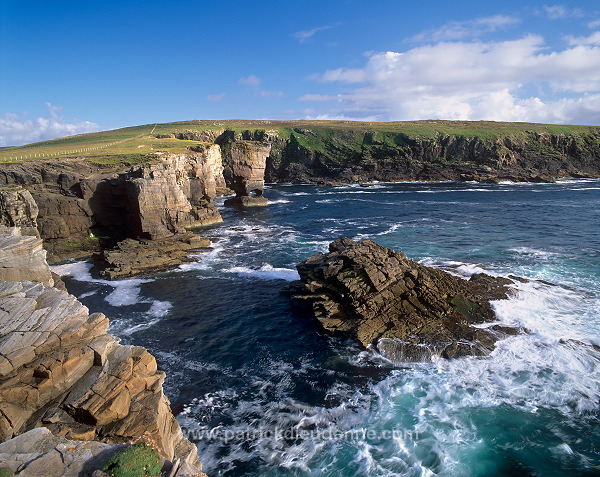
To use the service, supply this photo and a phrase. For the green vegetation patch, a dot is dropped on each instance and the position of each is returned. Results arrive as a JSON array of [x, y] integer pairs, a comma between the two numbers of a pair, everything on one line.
[[138, 460]]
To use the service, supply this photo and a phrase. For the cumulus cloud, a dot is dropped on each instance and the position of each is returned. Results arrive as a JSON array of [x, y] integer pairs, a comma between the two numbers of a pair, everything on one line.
[[305, 35], [474, 80], [466, 29], [17, 129]]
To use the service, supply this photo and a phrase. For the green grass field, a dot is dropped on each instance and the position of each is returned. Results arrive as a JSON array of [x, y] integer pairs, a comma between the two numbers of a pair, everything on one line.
[[139, 143]]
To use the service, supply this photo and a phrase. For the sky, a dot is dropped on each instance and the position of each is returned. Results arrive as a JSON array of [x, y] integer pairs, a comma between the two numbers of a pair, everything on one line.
[[70, 67]]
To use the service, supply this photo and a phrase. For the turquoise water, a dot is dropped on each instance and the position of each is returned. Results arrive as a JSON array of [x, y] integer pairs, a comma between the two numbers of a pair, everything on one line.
[[263, 392]]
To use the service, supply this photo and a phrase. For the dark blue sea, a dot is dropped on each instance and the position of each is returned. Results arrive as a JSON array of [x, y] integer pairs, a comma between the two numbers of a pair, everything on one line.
[[264, 393]]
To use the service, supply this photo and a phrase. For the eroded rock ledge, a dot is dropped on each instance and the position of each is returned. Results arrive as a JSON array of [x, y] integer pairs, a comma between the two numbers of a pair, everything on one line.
[[404, 310], [60, 369]]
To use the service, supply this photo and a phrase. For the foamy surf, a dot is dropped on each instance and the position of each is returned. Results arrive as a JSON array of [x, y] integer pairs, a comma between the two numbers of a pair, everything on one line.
[[125, 293], [266, 272]]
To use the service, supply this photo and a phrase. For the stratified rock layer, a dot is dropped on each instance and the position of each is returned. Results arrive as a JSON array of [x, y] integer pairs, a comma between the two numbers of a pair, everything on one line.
[[61, 370], [248, 162], [18, 209], [406, 311], [75, 198], [134, 257], [22, 257]]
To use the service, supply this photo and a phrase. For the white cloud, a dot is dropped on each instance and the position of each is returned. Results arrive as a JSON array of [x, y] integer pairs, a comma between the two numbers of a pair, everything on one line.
[[270, 94], [215, 98], [305, 35], [16, 129], [560, 12], [593, 39], [253, 82], [473, 80], [467, 29], [250, 80], [594, 24]]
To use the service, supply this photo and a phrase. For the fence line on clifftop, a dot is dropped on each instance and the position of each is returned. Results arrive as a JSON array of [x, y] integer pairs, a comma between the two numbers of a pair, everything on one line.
[[76, 151]]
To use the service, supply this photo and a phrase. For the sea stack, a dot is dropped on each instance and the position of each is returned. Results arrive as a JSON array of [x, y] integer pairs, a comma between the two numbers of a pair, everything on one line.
[[248, 162]]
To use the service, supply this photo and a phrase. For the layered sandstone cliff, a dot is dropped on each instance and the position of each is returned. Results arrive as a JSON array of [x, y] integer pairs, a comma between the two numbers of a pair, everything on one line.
[[154, 200], [247, 161], [60, 369]]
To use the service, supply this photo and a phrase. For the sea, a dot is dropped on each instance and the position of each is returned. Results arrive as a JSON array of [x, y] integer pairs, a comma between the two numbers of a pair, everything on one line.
[[263, 391]]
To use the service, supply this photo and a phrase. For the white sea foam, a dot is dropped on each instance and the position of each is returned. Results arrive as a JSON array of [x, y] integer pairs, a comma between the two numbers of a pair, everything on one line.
[[267, 272], [125, 293], [390, 230], [535, 253]]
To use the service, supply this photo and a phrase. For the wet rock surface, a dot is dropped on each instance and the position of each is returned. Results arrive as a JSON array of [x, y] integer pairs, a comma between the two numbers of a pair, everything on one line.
[[404, 310]]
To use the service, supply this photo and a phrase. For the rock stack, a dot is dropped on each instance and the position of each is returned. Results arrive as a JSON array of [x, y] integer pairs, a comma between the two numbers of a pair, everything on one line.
[[248, 162]]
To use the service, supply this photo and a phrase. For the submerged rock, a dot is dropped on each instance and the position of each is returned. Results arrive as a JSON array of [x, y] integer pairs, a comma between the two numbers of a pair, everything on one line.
[[404, 310]]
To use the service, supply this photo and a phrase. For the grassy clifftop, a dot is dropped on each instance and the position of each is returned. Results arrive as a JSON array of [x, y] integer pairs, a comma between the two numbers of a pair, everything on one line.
[[140, 143]]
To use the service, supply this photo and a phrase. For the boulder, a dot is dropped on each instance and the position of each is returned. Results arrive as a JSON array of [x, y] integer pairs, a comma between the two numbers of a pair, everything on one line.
[[404, 310]]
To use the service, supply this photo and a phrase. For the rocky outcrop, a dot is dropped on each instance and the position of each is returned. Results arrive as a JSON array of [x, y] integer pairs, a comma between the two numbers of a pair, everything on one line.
[[166, 197], [148, 201], [136, 257], [40, 453], [248, 162], [18, 209], [404, 310], [22, 257], [61, 370]]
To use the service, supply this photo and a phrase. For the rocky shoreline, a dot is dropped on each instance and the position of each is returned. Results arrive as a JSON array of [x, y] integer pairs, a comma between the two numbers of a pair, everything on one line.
[[397, 307], [61, 370]]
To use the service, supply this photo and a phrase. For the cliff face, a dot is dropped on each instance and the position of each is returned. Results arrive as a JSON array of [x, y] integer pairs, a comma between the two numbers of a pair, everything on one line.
[[165, 198], [355, 155], [18, 209], [60, 369], [147, 201]]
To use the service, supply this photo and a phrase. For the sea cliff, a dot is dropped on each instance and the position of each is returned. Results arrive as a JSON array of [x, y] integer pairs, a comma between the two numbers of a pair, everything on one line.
[[80, 204], [61, 370]]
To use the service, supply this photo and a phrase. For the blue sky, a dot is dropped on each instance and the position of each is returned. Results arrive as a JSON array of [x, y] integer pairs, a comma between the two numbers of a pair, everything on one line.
[[69, 67]]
